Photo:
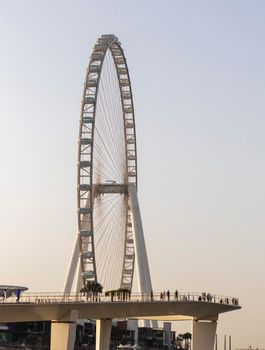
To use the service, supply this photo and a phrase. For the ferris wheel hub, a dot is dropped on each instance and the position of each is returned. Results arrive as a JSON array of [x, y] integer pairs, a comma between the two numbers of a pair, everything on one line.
[[107, 188]]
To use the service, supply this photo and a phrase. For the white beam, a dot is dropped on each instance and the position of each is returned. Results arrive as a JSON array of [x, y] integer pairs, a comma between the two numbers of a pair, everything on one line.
[[103, 332], [79, 280], [72, 267], [203, 335], [141, 260], [144, 278], [63, 333]]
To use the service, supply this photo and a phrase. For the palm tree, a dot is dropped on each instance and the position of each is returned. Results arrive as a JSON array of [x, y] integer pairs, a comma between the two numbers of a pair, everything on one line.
[[187, 337], [92, 287], [179, 341]]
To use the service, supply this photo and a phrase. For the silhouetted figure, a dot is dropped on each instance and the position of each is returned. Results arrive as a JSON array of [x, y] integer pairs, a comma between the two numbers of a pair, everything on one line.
[[151, 295], [4, 295], [18, 295], [168, 295], [209, 297], [176, 295]]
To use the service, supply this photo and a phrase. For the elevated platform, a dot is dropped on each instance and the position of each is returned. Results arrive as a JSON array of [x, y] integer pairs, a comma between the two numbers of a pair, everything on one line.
[[40, 308], [65, 309]]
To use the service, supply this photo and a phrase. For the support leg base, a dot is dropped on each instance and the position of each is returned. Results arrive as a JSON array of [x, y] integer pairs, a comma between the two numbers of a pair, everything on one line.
[[203, 335], [103, 331]]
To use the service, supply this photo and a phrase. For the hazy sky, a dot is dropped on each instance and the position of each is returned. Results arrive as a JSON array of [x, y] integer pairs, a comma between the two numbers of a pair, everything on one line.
[[198, 76]]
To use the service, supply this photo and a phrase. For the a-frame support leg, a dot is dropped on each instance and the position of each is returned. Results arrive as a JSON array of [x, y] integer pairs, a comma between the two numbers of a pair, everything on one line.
[[203, 335], [103, 332], [142, 266]]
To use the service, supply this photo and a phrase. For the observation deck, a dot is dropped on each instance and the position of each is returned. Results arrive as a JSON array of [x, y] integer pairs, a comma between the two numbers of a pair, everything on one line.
[[57, 306]]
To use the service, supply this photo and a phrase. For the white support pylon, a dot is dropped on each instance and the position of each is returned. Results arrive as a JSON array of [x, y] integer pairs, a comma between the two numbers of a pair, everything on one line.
[[204, 334], [72, 268], [142, 266], [74, 271]]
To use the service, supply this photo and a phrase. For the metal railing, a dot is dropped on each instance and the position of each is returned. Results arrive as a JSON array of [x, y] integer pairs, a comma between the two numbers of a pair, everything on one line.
[[54, 297]]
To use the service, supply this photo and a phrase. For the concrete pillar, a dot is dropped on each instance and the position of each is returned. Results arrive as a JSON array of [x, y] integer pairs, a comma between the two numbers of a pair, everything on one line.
[[133, 325], [63, 333], [203, 335], [167, 335], [103, 331]]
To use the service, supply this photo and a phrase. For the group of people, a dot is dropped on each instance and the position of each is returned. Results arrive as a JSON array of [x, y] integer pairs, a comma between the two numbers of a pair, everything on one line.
[[205, 297], [166, 295], [18, 292], [208, 297], [234, 301]]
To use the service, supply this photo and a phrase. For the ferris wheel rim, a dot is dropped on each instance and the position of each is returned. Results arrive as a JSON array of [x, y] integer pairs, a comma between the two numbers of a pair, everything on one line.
[[105, 43]]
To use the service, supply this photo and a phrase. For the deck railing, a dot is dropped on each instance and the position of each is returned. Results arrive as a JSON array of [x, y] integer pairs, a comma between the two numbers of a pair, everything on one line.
[[53, 297]]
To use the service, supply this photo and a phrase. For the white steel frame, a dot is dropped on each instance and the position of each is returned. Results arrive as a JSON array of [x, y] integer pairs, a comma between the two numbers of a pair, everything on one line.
[[83, 262]]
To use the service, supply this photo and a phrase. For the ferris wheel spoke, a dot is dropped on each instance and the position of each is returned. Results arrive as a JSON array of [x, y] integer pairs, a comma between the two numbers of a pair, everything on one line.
[[116, 105], [109, 251], [102, 223], [108, 152], [111, 135], [105, 225], [110, 139], [101, 168], [115, 208], [100, 203], [115, 98], [110, 109], [117, 258], [110, 81], [106, 253], [106, 161], [103, 173], [105, 114], [115, 161]]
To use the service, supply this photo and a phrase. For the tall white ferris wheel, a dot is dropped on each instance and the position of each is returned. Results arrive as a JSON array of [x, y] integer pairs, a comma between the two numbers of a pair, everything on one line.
[[110, 243]]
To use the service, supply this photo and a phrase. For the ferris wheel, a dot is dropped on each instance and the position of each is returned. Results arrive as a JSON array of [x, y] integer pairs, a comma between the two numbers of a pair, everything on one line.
[[110, 240]]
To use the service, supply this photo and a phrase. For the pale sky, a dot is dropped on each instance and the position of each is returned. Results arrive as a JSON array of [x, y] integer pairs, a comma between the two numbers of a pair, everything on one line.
[[198, 77]]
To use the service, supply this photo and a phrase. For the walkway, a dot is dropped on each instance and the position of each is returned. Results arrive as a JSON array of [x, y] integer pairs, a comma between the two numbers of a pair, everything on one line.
[[58, 306]]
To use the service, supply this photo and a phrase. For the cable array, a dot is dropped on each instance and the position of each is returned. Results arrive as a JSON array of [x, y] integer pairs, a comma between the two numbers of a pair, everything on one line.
[[109, 165]]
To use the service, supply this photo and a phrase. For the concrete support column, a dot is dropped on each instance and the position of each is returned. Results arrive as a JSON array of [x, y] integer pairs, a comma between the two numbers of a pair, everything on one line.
[[133, 325], [103, 331], [203, 335], [63, 333]]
